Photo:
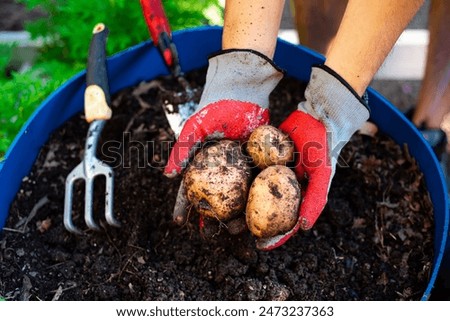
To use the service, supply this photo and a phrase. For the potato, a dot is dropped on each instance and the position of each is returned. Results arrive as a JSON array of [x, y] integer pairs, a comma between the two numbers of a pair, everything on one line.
[[273, 202], [268, 146], [217, 181]]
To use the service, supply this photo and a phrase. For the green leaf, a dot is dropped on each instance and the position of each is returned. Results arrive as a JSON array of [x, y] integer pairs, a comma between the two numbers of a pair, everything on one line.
[[24, 92]]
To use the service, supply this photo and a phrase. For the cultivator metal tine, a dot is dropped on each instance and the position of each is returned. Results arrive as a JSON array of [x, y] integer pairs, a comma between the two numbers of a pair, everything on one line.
[[88, 204], [109, 198], [77, 173], [101, 169]]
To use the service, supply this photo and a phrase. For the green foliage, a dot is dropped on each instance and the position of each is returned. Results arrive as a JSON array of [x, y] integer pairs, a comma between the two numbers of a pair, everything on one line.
[[24, 92], [5, 57], [66, 31], [69, 23]]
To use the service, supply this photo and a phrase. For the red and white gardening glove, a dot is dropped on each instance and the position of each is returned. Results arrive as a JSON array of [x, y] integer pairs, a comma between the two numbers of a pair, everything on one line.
[[234, 102], [320, 127]]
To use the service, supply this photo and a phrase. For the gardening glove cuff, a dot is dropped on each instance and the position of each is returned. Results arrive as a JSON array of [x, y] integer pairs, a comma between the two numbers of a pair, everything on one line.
[[240, 75], [333, 102]]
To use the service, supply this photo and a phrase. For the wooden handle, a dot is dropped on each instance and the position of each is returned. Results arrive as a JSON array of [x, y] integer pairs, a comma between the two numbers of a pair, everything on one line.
[[97, 97]]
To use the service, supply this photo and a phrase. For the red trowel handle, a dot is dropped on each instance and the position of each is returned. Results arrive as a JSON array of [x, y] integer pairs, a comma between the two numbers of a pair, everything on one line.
[[155, 18], [159, 29]]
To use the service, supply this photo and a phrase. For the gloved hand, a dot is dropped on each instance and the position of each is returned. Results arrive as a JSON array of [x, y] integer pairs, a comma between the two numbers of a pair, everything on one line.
[[234, 102], [320, 127]]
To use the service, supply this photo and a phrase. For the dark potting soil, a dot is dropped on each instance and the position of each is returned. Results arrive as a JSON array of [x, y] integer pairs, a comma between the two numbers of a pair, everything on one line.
[[374, 241]]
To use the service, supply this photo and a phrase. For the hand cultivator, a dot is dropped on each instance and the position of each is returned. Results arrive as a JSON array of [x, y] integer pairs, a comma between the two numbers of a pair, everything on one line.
[[97, 99]]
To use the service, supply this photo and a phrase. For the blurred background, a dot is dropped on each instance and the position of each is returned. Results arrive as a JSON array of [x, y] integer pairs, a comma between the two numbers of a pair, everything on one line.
[[45, 42]]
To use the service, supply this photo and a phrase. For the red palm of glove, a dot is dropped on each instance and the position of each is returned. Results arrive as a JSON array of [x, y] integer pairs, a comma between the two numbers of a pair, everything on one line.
[[310, 140], [230, 119]]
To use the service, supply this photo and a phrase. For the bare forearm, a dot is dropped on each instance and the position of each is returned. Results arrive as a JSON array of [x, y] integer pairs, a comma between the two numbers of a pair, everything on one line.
[[252, 24], [368, 31]]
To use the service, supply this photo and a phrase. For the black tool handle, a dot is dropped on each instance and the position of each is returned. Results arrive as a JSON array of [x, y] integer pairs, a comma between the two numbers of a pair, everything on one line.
[[96, 67]]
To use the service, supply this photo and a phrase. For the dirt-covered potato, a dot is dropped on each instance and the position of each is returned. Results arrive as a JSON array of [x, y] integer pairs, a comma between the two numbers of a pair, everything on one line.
[[217, 181], [273, 202], [268, 146]]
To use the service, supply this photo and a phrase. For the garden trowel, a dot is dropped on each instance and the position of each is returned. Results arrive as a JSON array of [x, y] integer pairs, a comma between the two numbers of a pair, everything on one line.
[[161, 35]]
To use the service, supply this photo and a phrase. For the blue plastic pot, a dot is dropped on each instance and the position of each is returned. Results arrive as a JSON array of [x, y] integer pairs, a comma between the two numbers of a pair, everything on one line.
[[143, 62]]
